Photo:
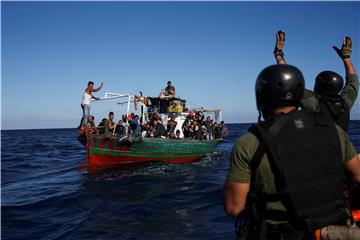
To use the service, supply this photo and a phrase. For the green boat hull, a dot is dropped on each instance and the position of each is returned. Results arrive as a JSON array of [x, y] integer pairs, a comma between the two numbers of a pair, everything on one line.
[[108, 150]]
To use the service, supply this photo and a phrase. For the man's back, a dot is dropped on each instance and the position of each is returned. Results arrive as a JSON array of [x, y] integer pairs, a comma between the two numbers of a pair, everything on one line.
[[302, 166]]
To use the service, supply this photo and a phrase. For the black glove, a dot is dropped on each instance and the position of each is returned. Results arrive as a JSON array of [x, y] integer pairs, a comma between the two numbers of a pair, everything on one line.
[[346, 48], [280, 42]]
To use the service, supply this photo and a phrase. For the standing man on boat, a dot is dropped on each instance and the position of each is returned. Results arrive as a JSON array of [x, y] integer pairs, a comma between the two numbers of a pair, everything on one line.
[[329, 89], [284, 183], [86, 100]]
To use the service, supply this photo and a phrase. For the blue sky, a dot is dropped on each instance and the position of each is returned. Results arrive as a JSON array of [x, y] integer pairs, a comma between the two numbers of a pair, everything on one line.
[[212, 51]]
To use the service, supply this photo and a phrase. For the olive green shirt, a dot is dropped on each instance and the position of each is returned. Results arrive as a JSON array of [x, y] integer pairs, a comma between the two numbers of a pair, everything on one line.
[[108, 124], [244, 150], [349, 93]]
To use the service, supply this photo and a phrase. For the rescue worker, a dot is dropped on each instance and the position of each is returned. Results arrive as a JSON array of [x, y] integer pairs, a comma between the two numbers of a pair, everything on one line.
[[286, 174], [329, 88]]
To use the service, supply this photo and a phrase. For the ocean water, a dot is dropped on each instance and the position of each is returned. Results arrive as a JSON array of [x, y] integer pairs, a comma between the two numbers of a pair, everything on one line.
[[45, 196]]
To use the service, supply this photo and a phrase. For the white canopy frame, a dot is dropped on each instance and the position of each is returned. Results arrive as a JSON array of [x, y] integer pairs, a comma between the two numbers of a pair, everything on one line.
[[112, 96]]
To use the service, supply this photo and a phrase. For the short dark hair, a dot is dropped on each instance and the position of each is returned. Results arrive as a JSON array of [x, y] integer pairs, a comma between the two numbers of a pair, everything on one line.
[[111, 113], [169, 81], [90, 82]]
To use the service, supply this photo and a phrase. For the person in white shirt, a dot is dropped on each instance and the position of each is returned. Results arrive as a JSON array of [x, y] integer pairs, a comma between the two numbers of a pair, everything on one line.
[[86, 99]]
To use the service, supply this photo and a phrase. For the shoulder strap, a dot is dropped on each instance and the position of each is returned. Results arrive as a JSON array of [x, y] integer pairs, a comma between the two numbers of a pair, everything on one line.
[[264, 145]]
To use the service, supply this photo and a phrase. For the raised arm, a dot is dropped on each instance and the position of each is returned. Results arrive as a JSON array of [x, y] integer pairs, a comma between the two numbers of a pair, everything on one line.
[[279, 45], [98, 88], [351, 88]]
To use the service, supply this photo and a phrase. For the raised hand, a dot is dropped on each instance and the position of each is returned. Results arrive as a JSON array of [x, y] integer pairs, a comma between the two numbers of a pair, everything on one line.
[[346, 48], [280, 42]]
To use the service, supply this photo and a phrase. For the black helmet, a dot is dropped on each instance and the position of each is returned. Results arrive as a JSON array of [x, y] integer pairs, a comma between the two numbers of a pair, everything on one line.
[[329, 83], [279, 85]]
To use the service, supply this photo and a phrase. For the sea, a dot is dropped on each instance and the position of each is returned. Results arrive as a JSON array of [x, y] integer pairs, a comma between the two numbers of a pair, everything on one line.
[[44, 194]]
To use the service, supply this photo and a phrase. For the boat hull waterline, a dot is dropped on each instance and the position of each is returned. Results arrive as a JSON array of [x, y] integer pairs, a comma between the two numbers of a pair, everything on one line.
[[110, 150]]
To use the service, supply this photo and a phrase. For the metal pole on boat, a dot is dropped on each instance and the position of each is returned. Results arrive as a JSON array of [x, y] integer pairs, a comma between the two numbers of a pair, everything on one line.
[[142, 110], [220, 115], [128, 106]]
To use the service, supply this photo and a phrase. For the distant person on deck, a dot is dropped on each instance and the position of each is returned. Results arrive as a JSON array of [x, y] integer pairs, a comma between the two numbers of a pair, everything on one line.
[[91, 125], [169, 90], [135, 125], [86, 100], [216, 131], [171, 125], [329, 91], [101, 126], [120, 128], [160, 130], [165, 96], [110, 126], [223, 130], [210, 128]]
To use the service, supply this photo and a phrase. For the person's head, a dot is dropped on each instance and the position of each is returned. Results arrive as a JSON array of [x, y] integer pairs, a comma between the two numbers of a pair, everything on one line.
[[208, 118], [169, 83], [91, 118], [90, 85], [120, 122], [328, 83], [278, 86], [222, 123], [178, 133], [111, 115]]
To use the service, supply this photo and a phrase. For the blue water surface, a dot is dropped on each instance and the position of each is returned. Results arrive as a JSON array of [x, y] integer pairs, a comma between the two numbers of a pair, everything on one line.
[[45, 196]]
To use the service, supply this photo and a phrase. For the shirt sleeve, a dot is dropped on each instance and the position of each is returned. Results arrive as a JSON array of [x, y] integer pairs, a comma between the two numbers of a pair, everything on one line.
[[350, 90], [347, 148], [241, 155], [309, 101]]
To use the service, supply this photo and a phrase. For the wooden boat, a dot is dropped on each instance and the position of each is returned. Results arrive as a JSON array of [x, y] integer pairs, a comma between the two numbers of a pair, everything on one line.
[[112, 149], [105, 150]]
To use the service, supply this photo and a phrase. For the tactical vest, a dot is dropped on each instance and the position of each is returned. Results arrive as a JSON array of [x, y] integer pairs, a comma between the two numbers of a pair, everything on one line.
[[305, 156], [338, 109]]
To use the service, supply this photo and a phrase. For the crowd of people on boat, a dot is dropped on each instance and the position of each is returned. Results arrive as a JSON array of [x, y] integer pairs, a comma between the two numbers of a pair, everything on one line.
[[194, 127]]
